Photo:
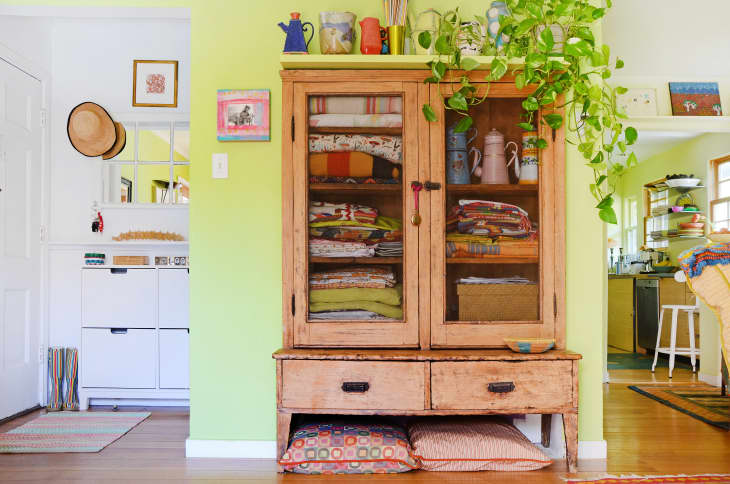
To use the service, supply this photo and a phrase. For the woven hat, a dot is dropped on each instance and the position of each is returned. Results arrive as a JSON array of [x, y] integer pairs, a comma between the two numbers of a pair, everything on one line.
[[90, 129], [119, 144]]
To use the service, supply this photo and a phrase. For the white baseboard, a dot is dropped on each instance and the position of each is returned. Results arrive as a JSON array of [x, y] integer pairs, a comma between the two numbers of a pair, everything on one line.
[[236, 449], [714, 380], [144, 402], [266, 449]]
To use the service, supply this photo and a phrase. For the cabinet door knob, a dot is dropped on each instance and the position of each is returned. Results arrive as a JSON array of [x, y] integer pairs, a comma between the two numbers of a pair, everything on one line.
[[501, 387], [355, 386]]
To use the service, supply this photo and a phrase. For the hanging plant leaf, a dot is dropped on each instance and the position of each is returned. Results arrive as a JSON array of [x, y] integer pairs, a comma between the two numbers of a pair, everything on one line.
[[424, 39], [458, 101], [497, 69], [553, 120], [464, 124], [608, 215], [442, 45], [526, 126], [530, 104], [631, 135], [469, 63], [428, 113], [546, 42]]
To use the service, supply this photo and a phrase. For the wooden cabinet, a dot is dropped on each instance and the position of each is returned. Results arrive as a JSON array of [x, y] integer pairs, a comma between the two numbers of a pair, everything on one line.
[[434, 355], [621, 313]]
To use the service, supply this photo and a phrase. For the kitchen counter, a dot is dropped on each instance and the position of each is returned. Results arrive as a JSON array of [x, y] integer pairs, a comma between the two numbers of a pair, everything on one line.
[[640, 276]]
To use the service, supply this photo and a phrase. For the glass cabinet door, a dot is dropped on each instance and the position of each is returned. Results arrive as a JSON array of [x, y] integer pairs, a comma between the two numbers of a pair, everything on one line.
[[492, 231], [355, 150]]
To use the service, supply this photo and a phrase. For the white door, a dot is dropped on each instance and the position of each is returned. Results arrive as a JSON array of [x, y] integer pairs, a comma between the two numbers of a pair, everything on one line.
[[20, 185]]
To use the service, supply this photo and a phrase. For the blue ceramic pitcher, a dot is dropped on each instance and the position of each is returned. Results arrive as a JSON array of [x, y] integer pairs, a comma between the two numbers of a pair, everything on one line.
[[295, 43]]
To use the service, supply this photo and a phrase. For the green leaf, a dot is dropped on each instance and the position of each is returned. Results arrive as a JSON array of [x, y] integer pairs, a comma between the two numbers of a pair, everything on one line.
[[619, 64], [535, 60], [598, 158], [458, 102], [608, 215], [442, 45], [520, 80], [606, 51], [530, 104], [605, 74], [424, 39], [553, 120], [631, 160], [597, 59], [577, 47], [497, 69], [621, 90], [601, 179], [526, 126], [535, 10], [469, 63], [429, 114], [438, 69], [631, 135], [595, 93], [622, 146], [525, 26], [546, 42], [464, 124], [593, 122], [541, 143], [606, 202]]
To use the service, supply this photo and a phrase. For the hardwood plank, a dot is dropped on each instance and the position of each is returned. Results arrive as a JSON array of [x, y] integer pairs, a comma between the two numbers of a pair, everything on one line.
[[558, 181], [356, 260], [424, 232], [353, 130], [287, 216]]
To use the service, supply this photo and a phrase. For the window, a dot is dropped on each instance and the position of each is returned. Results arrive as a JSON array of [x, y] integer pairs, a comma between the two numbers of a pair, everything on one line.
[[720, 205], [631, 216], [154, 166], [657, 218]]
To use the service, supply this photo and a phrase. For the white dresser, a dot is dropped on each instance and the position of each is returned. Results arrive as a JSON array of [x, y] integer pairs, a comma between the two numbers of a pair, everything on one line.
[[134, 334]]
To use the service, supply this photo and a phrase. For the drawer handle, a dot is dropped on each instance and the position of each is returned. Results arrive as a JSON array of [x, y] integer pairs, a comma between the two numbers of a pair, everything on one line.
[[501, 387], [355, 386], [118, 270], [118, 330]]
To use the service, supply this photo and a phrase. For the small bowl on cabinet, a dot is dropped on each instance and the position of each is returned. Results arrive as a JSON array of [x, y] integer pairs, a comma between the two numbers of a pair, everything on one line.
[[530, 345]]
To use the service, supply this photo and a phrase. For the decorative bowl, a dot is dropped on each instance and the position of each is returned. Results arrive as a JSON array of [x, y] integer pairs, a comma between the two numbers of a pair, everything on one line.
[[677, 208], [719, 237], [683, 182], [530, 345], [692, 225]]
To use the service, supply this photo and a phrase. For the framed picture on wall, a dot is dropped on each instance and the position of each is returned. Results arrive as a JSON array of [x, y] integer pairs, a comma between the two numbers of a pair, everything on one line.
[[155, 84], [638, 102], [695, 98], [243, 115]]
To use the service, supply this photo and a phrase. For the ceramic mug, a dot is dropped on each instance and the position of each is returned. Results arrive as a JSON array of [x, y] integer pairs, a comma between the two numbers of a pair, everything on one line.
[[336, 32], [457, 166]]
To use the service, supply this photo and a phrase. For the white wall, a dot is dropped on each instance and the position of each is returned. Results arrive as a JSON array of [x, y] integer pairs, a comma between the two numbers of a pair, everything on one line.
[[29, 37]]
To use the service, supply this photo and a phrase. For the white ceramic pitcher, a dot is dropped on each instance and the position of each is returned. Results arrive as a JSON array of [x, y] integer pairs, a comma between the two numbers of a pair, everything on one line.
[[494, 162]]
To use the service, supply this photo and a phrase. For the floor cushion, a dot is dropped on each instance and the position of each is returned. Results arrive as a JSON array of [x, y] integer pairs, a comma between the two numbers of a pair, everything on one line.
[[473, 444], [344, 448]]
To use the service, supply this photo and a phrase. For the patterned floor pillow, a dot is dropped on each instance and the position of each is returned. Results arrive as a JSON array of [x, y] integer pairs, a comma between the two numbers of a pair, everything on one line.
[[341, 448], [473, 444]]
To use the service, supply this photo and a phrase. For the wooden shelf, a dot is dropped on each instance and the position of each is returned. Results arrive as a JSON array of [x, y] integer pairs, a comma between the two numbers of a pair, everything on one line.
[[497, 259], [709, 124], [356, 260], [486, 189], [355, 188], [688, 212], [353, 130]]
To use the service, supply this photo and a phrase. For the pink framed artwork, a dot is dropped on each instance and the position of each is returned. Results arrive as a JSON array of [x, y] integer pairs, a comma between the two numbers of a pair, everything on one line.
[[243, 115]]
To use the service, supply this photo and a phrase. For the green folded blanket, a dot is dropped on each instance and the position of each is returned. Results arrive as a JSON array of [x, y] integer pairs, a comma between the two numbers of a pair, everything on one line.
[[386, 310], [388, 295]]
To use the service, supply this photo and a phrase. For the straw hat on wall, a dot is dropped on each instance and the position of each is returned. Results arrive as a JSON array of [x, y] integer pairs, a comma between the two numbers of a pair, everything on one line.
[[92, 131]]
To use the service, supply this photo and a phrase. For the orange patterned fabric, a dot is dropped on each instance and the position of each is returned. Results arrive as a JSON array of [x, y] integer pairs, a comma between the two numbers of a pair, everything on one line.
[[473, 444], [697, 479]]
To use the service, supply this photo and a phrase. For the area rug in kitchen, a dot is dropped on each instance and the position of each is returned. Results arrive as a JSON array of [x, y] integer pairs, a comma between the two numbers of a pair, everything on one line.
[[700, 402], [636, 361], [679, 479], [69, 432]]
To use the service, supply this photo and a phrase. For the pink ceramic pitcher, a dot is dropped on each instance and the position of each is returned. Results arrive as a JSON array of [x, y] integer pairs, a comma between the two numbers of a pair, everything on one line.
[[494, 162]]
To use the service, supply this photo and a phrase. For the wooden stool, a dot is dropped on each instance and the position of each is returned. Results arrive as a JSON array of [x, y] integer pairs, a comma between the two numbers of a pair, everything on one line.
[[672, 350]]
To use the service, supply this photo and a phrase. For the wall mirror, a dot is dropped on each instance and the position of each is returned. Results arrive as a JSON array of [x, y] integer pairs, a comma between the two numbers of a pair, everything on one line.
[[153, 167]]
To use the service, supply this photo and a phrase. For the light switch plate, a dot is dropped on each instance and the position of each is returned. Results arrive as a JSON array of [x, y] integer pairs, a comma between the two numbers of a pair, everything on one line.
[[220, 165]]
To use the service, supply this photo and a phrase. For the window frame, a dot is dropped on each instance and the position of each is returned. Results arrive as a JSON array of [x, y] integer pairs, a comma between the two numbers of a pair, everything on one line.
[[715, 189]]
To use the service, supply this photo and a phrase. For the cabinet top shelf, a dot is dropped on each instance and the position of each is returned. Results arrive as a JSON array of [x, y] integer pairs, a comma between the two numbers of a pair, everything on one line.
[[497, 259]]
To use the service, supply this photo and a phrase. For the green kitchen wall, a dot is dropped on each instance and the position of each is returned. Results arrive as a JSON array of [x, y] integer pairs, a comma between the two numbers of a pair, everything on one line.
[[691, 157], [235, 224]]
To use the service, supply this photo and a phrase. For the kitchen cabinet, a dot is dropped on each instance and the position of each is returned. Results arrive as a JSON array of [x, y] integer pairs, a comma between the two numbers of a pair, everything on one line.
[[621, 313]]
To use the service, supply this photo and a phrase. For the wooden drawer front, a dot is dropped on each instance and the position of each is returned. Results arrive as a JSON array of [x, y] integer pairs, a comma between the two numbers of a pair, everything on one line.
[[118, 358], [465, 385], [318, 384], [119, 298]]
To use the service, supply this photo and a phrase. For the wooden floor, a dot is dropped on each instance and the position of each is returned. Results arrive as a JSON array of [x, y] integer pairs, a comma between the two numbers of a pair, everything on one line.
[[644, 437]]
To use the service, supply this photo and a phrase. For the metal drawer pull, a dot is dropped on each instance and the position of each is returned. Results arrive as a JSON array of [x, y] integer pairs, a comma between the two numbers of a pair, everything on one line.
[[501, 387], [355, 386], [118, 330], [118, 270]]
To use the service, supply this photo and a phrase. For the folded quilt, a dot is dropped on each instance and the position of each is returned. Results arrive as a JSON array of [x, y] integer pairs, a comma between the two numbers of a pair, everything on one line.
[[356, 120], [335, 248], [356, 276], [385, 229], [341, 212], [388, 295], [394, 312], [356, 180], [483, 217], [694, 261], [461, 245], [352, 163], [355, 104], [346, 315], [388, 147]]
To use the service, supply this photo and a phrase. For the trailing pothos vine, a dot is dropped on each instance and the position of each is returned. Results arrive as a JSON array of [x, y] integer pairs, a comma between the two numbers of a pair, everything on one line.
[[572, 76]]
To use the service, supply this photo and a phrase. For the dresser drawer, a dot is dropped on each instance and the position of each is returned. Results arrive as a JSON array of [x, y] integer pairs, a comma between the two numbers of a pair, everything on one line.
[[499, 385], [358, 385], [118, 358], [118, 297]]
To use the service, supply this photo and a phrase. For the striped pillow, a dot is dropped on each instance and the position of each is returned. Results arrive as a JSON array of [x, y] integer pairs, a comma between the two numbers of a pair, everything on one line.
[[473, 444]]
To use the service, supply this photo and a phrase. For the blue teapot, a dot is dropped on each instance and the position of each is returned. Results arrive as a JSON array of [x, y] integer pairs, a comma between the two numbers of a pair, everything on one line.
[[295, 43]]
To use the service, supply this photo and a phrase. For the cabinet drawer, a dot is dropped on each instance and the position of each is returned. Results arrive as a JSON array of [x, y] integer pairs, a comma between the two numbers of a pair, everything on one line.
[[372, 385], [118, 358], [118, 298], [174, 358], [474, 385], [174, 298]]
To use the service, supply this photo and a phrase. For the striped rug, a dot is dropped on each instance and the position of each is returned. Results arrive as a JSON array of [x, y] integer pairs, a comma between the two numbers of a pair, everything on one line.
[[702, 402], [70, 432]]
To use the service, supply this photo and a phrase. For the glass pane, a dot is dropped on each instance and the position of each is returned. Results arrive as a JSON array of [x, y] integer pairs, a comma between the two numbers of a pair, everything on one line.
[[491, 233], [356, 196], [152, 183], [723, 189], [723, 171], [634, 206], [182, 142], [118, 183], [719, 211], [154, 141], [181, 178]]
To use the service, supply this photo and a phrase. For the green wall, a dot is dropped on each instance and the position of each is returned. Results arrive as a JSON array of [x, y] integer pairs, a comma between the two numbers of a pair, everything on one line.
[[235, 225]]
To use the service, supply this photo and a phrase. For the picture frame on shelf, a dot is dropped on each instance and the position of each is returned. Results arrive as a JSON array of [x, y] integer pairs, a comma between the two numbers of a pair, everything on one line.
[[638, 102], [155, 83], [244, 115], [695, 99]]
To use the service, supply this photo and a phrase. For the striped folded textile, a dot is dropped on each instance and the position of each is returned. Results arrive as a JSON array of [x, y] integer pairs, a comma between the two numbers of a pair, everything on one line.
[[389, 147], [694, 261], [350, 212], [462, 245], [356, 120], [484, 217], [355, 104], [352, 163], [356, 276], [336, 248]]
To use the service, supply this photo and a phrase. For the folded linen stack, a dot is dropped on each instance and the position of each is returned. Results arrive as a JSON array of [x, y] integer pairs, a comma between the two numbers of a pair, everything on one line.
[[356, 111], [494, 280], [389, 249], [353, 164], [358, 292], [334, 248], [352, 223], [482, 228]]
